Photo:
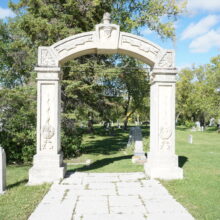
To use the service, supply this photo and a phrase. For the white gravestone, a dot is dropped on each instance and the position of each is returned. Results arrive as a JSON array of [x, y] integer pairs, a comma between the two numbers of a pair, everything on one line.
[[139, 155], [190, 139], [211, 122], [2, 170], [198, 128]]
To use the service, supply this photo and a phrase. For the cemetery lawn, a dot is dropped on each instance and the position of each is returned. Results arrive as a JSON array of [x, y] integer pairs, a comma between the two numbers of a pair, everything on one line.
[[20, 200], [199, 191], [108, 153]]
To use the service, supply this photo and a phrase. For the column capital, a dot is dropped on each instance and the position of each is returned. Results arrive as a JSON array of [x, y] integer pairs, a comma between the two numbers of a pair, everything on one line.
[[164, 75], [48, 73]]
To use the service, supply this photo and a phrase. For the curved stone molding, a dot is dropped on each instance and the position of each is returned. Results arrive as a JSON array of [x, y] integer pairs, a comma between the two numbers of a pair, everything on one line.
[[46, 57], [70, 46]]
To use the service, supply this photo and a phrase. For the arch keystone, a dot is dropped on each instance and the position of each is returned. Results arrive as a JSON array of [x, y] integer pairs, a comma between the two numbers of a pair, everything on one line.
[[107, 36]]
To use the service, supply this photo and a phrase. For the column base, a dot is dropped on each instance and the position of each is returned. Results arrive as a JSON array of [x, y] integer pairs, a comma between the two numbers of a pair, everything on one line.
[[163, 166], [47, 168]]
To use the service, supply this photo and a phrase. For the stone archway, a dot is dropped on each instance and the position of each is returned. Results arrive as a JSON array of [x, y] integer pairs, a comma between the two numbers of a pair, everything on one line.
[[106, 39]]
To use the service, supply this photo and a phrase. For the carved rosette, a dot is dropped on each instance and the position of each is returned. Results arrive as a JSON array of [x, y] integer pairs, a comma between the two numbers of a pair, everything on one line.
[[48, 130]]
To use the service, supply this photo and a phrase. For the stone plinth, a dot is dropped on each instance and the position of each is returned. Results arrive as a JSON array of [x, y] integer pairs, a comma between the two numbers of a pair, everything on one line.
[[2, 170], [47, 168]]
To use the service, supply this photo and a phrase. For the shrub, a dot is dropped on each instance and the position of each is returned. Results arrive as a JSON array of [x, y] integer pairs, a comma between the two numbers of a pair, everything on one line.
[[71, 138], [189, 124]]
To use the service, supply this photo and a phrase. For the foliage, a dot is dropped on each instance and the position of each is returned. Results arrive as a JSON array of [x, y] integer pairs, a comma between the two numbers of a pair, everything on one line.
[[18, 123], [18, 126], [71, 139], [198, 94]]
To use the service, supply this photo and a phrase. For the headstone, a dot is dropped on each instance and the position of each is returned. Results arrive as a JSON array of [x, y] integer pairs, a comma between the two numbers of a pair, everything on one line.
[[211, 122], [139, 155], [198, 126], [193, 128], [202, 128], [2, 170], [131, 137], [190, 139]]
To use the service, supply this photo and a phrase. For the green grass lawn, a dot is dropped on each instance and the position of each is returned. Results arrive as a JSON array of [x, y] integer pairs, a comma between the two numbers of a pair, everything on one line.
[[20, 200], [199, 191], [107, 153]]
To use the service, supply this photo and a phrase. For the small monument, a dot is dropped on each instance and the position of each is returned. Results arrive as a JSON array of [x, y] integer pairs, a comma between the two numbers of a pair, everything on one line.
[[2, 170], [139, 155], [190, 139], [131, 137]]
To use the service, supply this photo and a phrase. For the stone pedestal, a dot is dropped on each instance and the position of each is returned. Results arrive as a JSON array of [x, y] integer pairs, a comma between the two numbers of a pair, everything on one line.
[[2, 170], [162, 162], [47, 168], [48, 162]]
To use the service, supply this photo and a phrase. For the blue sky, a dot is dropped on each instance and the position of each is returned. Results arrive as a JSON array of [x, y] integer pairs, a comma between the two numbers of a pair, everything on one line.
[[198, 32]]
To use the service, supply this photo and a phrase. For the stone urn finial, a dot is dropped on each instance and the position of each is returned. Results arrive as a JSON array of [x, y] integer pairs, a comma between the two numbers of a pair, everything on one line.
[[107, 18]]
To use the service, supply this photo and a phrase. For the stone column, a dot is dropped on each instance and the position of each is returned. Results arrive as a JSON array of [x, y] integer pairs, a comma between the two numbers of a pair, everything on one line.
[[162, 161], [48, 162], [2, 170]]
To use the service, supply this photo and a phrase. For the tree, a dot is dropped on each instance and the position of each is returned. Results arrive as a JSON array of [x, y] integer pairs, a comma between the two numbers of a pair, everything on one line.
[[198, 92]]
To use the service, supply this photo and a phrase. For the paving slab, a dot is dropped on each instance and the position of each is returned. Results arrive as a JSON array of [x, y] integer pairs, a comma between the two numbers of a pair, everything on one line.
[[109, 196]]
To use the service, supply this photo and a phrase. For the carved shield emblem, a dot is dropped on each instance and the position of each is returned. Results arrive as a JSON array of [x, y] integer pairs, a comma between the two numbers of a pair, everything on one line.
[[107, 32]]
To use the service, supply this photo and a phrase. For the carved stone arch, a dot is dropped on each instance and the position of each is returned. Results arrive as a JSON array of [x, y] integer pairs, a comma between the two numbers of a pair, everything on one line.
[[106, 39]]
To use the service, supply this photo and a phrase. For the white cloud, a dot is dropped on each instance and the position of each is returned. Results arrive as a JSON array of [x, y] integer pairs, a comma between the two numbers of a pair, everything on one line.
[[205, 42], [204, 5], [6, 12], [203, 26]]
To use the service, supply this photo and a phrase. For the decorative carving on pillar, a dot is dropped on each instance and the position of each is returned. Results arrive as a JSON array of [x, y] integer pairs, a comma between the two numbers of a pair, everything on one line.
[[167, 60], [165, 135], [48, 130], [45, 57]]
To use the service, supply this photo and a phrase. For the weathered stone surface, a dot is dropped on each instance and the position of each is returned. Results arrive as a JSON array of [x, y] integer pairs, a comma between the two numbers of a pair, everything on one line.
[[84, 200], [2, 170]]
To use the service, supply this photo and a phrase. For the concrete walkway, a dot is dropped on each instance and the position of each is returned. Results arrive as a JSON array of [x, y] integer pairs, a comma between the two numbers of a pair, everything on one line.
[[109, 196]]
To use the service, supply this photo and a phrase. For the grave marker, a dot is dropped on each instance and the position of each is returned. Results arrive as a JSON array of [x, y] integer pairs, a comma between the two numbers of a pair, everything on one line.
[[2, 170]]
